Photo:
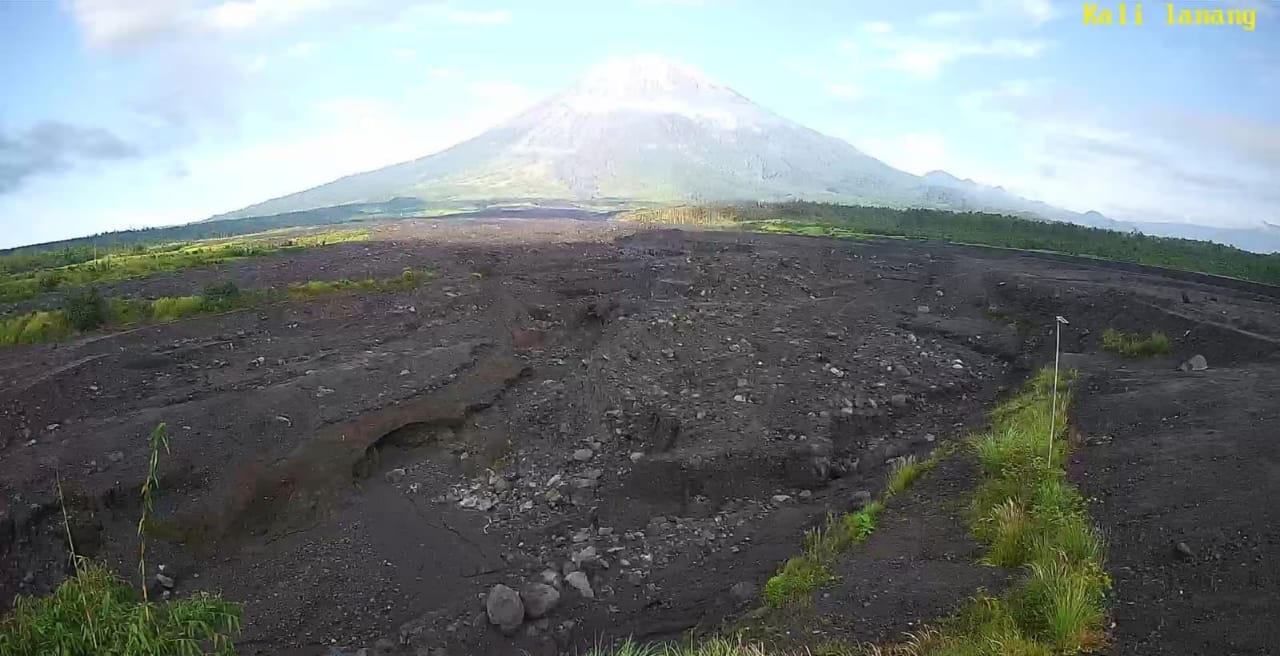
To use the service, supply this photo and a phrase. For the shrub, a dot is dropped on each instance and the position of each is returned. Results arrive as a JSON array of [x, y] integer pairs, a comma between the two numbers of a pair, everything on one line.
[[169, 308], [51, 280], [85, 308], [221, 296], [34, 327], [798, 579]]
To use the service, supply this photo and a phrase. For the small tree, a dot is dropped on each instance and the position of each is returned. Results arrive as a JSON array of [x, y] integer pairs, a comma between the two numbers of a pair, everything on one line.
[[85, 308]]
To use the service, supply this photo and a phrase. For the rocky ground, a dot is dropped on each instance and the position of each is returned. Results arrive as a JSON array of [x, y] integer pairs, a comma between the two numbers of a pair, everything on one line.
[[581, 431]]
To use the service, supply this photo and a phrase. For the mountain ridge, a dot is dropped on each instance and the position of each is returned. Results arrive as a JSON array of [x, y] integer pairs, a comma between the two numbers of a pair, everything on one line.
[[647, 129]]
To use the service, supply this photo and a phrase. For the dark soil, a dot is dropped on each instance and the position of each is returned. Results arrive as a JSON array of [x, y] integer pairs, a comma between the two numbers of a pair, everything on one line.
[[569, 396], [1185, 467], [920, 564]]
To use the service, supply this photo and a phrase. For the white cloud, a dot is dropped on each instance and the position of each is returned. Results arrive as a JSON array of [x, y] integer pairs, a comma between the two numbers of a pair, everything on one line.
[[117, 24], [301, 50], [437, 13], [369, 132], [514, 97], [914, 152], [1034, 12], [256, 65], [845, 91], [925, 57], [235, 15], [468, 17], [404, 53], [878, 27], [1130, 165]]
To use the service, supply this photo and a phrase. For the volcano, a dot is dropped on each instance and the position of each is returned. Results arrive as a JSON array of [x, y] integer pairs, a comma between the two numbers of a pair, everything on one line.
[[649, 129]]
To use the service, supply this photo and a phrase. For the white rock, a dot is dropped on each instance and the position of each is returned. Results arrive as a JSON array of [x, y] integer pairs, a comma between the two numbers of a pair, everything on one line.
[[578, 581]]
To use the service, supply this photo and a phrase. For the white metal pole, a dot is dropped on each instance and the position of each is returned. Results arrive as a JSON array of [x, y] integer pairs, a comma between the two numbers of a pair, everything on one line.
[[1053, 410]]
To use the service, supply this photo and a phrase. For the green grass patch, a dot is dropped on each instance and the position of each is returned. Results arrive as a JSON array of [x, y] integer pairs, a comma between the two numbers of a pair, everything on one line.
[[904, 472], [27, 276], [1031, 518], [84, 310], [710, 647], [34, 327], [406, 281], [1135, 345], [804, 574], [96, 612], [859, 222]]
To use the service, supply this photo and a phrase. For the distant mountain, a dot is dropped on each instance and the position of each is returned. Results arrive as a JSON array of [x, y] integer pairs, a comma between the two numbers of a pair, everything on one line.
[[645, 129], [640, 128]]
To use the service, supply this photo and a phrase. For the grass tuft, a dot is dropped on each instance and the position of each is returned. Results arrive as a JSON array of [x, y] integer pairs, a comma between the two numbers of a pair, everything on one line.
[[1134, 345], [904, 472], [1030, 517], [96, 612]]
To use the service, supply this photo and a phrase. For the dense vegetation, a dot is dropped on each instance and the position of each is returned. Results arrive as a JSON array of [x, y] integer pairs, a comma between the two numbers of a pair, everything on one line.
[[85, 309], [27, 275], [978, 228]]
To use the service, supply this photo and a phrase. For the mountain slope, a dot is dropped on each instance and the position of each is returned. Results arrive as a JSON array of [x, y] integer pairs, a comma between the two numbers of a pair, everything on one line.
[[648, 129], [639, 128]]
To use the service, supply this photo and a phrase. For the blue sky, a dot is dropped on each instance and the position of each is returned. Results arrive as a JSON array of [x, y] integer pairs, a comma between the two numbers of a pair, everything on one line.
[[127, 113]]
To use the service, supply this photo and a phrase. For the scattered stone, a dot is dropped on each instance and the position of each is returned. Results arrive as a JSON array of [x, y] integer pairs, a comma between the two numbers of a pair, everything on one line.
[[395, 475], [742, 592], [901, 371], [586, 555], [922, 309], [550, 577], [165, 580], [583, 455], [781, 498], [899, 400], [578, 581], [862, 497], [504, 608], [637, 456], [538, 599], [1196, 363], [115, 456], [1184, 551]]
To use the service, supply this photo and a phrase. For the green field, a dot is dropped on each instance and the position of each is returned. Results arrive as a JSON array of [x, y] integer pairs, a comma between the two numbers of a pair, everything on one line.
[[85, 310], [977, 228], [27, 275]]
